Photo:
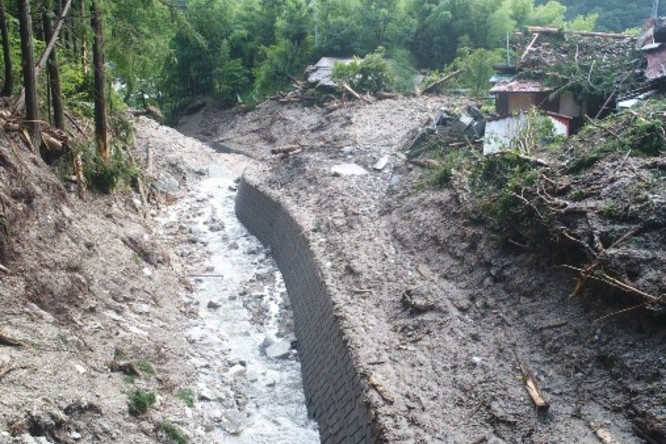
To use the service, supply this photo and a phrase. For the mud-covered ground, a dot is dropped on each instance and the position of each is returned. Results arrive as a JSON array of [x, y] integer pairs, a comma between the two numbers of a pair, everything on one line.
[[440, 311], [112, 298]]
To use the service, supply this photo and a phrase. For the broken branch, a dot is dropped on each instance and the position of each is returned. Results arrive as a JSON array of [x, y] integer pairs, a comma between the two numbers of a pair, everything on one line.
[[532, 387]]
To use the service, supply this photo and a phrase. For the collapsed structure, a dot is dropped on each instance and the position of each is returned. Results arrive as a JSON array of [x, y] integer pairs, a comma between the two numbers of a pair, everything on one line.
[[568, 75]]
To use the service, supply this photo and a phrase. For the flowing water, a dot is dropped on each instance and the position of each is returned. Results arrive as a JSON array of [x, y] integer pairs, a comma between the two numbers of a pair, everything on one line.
[[248, 375]]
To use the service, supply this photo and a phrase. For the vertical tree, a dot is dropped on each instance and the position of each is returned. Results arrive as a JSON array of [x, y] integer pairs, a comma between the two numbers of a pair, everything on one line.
[[54, 73], [101, 130], [6, 53], [29, 75]]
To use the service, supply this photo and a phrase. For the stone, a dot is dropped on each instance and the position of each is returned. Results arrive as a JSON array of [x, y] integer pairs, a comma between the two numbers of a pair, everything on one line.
[[279, 350], [234, 422], [348, 169], [381, 163], [213, 305]]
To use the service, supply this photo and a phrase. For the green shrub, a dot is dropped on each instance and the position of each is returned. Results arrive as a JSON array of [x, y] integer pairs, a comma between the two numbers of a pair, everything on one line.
[[145, 366], [187, 396], [369, 74], [108, 176], [173, 433], [141, 401]]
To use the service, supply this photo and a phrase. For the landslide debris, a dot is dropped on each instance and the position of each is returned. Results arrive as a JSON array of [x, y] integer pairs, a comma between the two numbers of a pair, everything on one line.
[[435, 307], [593, 204]]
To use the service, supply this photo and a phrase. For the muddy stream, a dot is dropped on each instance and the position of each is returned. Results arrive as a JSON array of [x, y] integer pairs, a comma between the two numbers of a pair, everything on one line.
[[248, 379]]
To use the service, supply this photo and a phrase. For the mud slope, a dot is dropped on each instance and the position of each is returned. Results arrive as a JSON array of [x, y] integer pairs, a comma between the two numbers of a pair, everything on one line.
[[108, 299], [440, 313]]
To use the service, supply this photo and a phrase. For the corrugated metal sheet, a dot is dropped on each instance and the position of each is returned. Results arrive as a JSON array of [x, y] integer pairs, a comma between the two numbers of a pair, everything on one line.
[[500, 133]]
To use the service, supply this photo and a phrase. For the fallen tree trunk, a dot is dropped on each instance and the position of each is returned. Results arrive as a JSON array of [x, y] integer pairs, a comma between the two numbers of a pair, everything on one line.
[[436, 84]]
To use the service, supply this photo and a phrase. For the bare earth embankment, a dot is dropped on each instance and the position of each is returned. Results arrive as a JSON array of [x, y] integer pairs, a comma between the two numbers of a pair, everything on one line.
[[440, 312]]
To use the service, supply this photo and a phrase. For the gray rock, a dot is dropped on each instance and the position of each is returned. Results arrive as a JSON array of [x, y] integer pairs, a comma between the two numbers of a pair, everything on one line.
[[213, 305], [166, 183], [279, 350], [348, 169]]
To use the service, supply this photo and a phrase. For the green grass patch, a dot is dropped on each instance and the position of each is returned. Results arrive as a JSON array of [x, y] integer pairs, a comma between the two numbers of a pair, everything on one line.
[[187, 396], [144, 366], [173, 433], [141, 401]]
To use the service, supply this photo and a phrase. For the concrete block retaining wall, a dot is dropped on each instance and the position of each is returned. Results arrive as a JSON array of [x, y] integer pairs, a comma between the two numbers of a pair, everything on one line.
[[334, 391]]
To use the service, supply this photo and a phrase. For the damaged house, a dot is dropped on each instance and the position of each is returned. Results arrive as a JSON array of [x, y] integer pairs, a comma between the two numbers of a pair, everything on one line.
[[319, 75], [566, 74]]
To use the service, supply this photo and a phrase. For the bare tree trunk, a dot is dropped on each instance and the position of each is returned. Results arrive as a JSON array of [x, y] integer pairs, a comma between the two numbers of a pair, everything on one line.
[[19, 102], [101, 130], [84, 40], [6, 53], [29, 75], [54, 75]]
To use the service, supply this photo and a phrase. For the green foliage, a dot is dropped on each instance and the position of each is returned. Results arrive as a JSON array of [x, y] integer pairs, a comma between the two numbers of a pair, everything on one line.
[[369, 74], [173, 433], [144, 366], [614, 15], [140, 401], [187, 396], [104, 176], [477, 66]]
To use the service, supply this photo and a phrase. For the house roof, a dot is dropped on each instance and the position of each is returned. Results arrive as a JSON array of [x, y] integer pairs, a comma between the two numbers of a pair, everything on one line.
[[320, 73], [541, 47], [520, 86]]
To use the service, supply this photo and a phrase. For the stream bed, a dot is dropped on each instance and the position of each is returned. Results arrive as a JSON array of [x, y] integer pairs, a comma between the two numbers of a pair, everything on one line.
[[248, 379]]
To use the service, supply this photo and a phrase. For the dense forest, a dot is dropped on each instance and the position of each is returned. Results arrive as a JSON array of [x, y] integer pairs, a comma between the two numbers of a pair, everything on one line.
[[168, 52], [614, 15]]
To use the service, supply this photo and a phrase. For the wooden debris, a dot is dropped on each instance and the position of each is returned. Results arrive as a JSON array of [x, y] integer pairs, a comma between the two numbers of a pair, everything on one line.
[[423, 163], [605, 436], [4, 371], [349, 89], [78, 172], [124, 367], [51, 142], [553, 325], [4, 269], [11, 126], [532, 387], [286, 149], [10, 342], [436, 84], [374, 382]]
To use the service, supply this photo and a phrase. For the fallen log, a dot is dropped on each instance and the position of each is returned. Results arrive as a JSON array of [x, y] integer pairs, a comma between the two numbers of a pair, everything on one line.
[[436, 84], [51, 142]]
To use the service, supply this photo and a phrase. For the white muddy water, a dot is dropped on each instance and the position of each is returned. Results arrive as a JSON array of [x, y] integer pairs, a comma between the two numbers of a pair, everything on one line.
[[248, 382]]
